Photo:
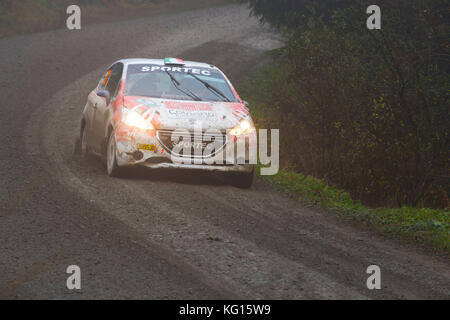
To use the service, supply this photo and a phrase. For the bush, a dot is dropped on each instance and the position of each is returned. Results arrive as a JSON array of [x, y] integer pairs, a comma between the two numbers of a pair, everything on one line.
[[368, 108]]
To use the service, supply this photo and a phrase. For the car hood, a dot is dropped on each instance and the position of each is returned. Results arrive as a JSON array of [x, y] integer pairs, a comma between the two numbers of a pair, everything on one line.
[[175, 114]]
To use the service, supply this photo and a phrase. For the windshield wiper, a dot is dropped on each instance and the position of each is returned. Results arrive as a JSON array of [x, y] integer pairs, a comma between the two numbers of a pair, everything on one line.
[[210, 87], [176, 84]]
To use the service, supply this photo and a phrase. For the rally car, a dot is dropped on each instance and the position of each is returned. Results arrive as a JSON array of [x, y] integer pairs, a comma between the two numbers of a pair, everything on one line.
[[168, 113]]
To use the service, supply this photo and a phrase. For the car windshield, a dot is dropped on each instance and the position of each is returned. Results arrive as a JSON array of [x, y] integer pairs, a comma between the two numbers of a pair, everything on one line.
[[178, 83]]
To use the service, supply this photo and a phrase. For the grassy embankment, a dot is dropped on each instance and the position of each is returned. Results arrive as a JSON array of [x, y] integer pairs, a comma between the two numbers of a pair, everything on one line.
[[423, 225]]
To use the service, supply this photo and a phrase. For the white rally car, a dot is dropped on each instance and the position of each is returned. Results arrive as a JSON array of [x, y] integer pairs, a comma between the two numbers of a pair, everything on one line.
[[168, 113]]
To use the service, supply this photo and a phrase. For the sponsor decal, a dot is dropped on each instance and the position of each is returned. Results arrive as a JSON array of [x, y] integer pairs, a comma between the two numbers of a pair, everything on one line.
[[195, 115], [153, 68], [187, 106], [146, 68], [147, 147], [183, 110]]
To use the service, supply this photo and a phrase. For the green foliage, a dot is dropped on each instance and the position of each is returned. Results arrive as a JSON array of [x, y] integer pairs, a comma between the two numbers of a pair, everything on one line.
[[295, 14], [368, 109]]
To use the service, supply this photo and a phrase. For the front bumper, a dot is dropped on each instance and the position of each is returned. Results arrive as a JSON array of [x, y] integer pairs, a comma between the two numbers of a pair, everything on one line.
[[142, 148], [244, 168]]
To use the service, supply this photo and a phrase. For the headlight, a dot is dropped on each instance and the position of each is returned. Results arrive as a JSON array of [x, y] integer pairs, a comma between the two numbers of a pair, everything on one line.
[[243, 127], [134, 119]]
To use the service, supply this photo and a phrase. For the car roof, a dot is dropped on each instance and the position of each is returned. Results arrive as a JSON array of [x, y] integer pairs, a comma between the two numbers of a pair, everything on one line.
[[161, 62]]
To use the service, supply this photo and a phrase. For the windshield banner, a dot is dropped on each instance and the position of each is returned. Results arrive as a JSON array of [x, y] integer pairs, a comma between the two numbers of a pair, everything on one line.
[[143, 68]]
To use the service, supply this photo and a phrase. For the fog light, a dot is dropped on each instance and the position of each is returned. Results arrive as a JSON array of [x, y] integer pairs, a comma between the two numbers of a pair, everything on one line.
[[138, 155]]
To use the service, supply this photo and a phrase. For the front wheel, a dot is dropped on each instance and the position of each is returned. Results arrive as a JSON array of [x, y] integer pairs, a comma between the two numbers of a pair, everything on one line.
[[81, 145], [112, 168], [84, 149]]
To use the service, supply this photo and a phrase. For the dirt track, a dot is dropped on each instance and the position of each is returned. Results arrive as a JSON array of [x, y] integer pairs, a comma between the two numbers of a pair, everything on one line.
[[164, 234]]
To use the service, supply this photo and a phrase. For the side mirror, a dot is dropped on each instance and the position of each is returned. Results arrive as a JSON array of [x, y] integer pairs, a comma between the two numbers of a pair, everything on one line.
[[245, 103], [103, 94]]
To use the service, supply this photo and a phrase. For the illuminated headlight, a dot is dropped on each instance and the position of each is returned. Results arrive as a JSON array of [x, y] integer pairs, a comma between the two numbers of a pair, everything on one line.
[[243, 127], [134, 119]]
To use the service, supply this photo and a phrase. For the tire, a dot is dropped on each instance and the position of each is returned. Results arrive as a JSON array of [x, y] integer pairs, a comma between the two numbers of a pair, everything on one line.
[[77, 147], [81, 145], [112, 169], [243, 180]]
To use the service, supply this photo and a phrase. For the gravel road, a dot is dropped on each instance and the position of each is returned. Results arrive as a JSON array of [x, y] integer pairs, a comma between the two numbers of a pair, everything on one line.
[[156, 234]]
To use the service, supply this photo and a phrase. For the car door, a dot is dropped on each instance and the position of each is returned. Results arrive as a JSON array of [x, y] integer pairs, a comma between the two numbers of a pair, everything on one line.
[[90, 110], [103, 108]]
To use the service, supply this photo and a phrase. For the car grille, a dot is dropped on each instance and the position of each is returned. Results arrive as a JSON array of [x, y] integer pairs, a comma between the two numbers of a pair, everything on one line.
[[197, 143]]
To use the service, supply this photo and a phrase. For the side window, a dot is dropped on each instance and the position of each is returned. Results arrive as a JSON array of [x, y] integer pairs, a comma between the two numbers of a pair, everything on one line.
[[114, 79]]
